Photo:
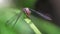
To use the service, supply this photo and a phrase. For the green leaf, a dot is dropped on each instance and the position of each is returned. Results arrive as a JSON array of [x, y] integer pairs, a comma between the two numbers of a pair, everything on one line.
[[44, 26], [21, 27], [25, 3]]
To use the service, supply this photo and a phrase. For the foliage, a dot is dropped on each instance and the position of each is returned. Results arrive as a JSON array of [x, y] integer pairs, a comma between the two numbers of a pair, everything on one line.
[[24, 25]]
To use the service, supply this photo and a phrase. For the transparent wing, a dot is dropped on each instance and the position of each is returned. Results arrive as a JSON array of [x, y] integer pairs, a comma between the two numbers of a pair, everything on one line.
[[13, 20]]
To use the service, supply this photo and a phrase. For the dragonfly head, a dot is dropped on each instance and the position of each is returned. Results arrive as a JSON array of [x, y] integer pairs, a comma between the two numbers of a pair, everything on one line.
[[27, 11]]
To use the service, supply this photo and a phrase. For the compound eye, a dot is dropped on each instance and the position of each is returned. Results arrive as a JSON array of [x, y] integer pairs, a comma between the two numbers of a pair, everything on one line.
[[27, 11]]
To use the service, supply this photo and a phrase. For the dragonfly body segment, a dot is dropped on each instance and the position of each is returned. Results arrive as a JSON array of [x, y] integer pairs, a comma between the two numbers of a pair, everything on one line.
[[28, 11]]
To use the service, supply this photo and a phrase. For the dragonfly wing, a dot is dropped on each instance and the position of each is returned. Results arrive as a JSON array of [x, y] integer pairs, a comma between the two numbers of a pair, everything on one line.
[[17, 18], [13, 19]]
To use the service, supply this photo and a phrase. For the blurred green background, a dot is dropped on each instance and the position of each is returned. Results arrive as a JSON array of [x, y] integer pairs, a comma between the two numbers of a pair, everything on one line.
[[24, 25]]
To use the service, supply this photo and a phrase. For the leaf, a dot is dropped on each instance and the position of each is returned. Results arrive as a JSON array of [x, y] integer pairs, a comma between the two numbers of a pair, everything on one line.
[[21, 27], [44, 26], [25, 3]]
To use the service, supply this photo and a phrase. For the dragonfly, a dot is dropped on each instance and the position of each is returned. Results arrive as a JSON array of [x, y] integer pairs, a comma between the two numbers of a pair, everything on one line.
[[28, 12]]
